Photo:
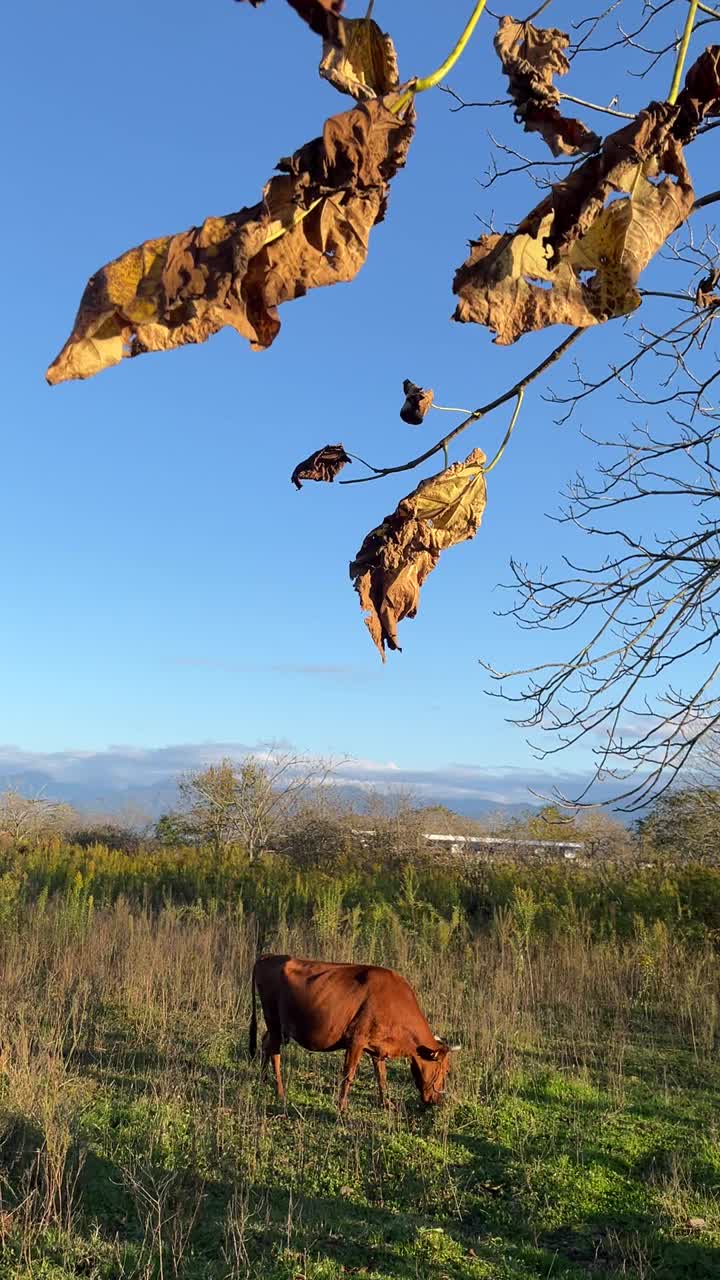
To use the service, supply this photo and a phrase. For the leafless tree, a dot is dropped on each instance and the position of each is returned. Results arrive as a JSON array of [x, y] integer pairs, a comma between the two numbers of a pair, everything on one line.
[[637, 674], [247, 802], [636, 608], [26, 818], [639, 678]]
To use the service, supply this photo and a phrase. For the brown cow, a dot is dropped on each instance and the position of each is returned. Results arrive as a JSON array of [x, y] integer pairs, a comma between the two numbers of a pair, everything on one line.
[[356, 1007]]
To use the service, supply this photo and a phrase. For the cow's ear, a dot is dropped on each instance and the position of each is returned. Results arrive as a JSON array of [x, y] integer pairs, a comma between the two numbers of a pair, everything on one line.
[[430, 1055]]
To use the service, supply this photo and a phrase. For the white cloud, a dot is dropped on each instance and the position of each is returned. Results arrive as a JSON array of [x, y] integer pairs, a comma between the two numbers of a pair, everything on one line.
[[119, 768]]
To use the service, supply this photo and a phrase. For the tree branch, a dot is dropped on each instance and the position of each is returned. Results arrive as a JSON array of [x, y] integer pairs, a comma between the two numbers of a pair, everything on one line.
[[476, 415]]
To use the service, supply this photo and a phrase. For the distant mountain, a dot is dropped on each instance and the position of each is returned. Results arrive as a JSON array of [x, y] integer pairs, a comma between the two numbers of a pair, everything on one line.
[[98, 798], [135, 801], [141, 783], [467, 806]]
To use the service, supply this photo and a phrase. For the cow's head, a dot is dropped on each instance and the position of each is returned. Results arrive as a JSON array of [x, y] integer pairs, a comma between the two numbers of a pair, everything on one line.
[[429, 1066]]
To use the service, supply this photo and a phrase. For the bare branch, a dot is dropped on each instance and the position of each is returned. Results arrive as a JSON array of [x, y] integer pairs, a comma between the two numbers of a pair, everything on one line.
[[511, 394]]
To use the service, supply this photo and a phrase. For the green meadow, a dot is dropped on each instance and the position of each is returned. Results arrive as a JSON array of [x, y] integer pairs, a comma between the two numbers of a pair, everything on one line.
[[580, 1136]]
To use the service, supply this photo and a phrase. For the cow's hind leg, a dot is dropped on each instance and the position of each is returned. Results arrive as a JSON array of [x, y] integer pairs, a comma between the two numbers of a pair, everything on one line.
[[352, 1058], [381, 1078], [271, 1045]]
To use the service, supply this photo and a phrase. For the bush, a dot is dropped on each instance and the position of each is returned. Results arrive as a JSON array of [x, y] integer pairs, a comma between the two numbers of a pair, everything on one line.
[[110, 834], [315, 840], [604, 902]]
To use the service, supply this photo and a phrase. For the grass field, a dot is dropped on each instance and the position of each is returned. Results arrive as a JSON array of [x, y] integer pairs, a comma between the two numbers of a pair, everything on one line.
[[581, 1135]]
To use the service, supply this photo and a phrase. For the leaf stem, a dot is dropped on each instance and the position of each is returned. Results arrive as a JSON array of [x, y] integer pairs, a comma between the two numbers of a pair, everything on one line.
[[682, 51], [508, 433], [429, 82]]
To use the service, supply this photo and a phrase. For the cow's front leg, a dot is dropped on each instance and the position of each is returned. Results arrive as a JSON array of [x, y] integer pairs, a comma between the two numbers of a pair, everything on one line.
[[352, 1057], [380, 1069], [271, 1053]]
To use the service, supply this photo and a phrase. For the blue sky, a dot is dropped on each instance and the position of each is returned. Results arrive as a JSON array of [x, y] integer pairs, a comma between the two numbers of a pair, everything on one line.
[[164, 582]]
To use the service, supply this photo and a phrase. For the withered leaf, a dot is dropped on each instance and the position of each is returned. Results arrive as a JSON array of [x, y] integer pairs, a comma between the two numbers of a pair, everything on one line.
[[532, 278], [531, 56], [365, 65], [324, 464], [700, 96], [396, 558], [310, 229], [320, 15], [416, 404]]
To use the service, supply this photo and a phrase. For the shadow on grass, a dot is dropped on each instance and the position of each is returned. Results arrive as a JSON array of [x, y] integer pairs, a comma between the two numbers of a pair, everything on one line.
[[474, 1201], [635, 1236], [633, 1246], [354, 1234]]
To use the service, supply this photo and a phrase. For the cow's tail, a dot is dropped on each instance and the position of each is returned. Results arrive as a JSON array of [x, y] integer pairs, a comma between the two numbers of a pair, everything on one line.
[[252, 1036]]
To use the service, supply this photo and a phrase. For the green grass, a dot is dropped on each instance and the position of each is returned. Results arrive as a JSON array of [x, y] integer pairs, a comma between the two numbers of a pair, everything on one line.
[[608, 900], [581, 1136]]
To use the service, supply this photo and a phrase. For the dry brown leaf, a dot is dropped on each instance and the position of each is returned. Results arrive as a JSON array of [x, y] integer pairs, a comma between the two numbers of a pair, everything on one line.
[[526, 280], [416, 404], [538, 276], [531, 56], [324, 464], [365, 65], [396, 558], [320, 15], [700, 96], [310, 229]]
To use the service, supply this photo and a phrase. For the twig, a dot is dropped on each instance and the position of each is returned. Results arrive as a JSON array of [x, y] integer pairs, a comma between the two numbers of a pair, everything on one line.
[[526, 165], [625, 37], [476, 415], [594, 106], [506, 102], [497, 102]]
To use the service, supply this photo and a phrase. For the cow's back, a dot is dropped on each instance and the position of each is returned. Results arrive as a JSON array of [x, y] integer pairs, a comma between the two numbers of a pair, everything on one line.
[[323, 1005]]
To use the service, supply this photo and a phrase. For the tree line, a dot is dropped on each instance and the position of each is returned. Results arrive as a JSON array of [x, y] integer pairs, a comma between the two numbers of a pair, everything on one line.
[[291, 805]]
